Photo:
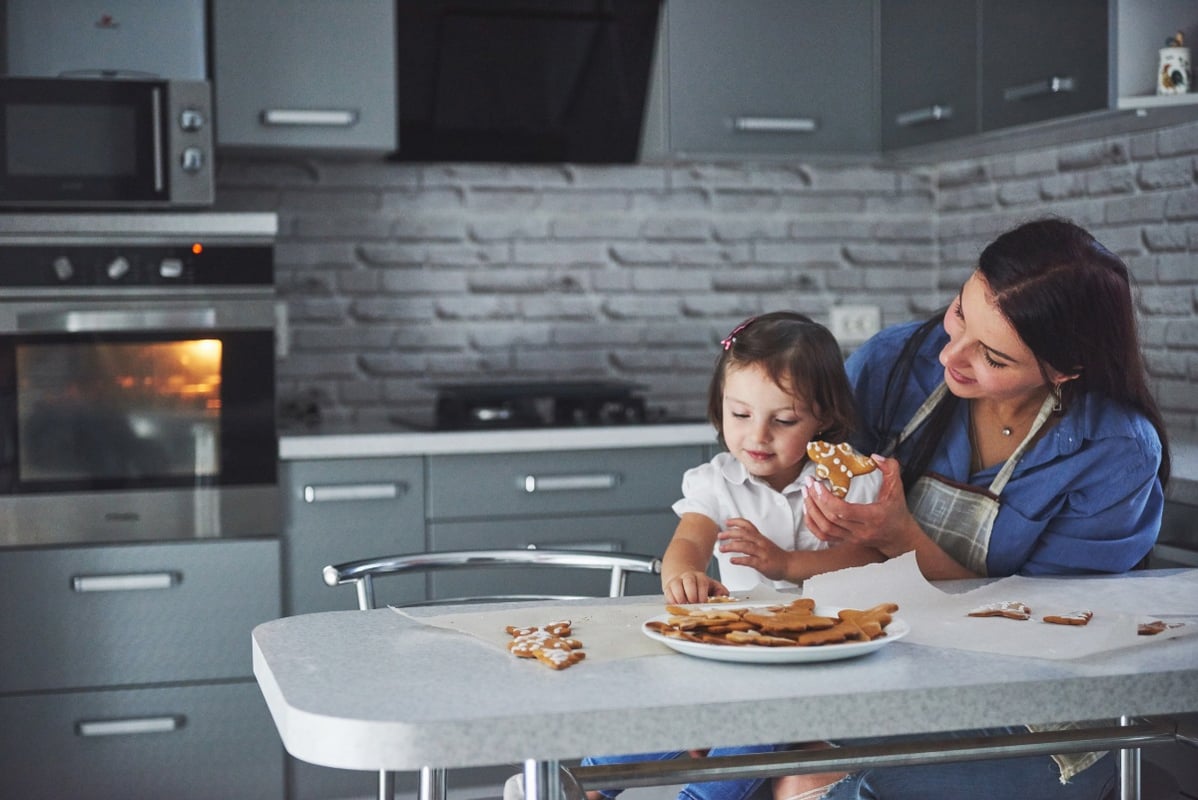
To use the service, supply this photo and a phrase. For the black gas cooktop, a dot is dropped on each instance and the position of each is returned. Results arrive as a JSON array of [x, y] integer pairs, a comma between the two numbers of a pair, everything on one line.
[[536, 404]]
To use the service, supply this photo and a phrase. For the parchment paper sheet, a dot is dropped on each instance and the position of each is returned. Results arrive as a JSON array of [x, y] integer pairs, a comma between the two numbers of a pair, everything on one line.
[[937, 618], [607, 632], [940, 619]]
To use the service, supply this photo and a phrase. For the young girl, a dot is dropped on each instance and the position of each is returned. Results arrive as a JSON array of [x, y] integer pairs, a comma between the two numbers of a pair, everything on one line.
[[778, 384]]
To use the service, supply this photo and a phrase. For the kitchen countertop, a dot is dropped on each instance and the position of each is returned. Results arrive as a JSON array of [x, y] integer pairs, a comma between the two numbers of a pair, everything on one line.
[[333, 442]]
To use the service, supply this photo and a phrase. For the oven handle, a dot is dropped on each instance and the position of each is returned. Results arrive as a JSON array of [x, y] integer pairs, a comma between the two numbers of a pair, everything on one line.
[[88, 321]]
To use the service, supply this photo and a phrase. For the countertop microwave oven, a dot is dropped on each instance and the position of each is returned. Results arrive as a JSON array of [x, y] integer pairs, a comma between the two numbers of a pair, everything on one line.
[[105, 143]]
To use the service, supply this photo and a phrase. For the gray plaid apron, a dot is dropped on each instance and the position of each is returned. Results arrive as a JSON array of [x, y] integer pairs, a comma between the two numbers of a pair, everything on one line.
[[957, 516], [960, 517]]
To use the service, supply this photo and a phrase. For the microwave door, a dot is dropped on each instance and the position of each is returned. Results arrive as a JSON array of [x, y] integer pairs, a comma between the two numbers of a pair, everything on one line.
[[86, 142]]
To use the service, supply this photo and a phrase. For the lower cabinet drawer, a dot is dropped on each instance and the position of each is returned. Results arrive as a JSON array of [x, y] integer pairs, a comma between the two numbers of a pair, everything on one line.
[[87, 617], [210, 742], [489, 485], [646, 534]]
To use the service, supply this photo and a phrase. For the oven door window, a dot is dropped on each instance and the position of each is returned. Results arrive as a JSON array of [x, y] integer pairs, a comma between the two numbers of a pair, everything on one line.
[[130, 411], [87, 141]]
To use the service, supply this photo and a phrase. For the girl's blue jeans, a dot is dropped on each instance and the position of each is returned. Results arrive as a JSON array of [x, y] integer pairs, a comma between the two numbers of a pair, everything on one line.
[[711, 790], [1024, 778]]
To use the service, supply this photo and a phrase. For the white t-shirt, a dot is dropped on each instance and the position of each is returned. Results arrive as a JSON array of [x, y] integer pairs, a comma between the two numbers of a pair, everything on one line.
[[723, 488]]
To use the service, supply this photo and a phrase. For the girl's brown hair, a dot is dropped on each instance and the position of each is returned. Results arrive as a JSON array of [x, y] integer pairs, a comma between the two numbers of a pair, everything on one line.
[[800, 356]]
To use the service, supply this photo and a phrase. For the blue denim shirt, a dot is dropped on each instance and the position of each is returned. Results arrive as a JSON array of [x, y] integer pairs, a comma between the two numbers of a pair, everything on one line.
[[1085, 498]]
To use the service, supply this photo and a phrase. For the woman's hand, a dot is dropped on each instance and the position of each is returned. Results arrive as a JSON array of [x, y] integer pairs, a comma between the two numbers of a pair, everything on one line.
[[756, 551], [693, 586], [884, 524]]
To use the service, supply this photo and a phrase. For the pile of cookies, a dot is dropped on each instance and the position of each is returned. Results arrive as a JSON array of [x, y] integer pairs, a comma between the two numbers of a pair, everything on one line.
[[794, 624], [553, 644]]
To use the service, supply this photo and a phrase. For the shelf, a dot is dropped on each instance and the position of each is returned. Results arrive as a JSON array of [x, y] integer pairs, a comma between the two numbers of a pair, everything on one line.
[[1158, 101]]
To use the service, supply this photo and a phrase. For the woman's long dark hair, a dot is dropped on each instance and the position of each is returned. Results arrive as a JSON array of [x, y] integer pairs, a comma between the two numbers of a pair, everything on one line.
[[1069, 299]]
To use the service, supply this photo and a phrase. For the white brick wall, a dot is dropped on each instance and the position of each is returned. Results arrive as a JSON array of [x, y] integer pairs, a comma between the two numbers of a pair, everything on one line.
[[398, 276]]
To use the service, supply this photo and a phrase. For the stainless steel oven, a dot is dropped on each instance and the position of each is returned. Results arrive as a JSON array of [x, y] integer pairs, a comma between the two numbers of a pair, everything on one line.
[[137, 397]]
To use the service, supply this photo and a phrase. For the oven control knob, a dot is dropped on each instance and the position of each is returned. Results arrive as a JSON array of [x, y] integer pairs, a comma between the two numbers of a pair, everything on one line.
[[192, 159], [171, 268], [191, 119], [118, 268], [64, 270]]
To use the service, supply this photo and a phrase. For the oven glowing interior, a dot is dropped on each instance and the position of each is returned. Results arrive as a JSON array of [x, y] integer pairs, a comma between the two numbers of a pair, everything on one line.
[[119, 410]]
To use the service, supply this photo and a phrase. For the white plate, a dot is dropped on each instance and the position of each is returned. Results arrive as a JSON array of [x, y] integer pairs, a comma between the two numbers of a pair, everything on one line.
[[758, 654]]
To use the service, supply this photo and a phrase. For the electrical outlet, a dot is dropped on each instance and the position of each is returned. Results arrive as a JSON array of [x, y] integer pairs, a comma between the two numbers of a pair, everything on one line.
[[855, 324]]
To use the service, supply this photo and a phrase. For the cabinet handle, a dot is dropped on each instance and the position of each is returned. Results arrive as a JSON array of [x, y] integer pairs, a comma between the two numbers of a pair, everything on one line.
[[317, 117], [598, 546], [569, 483], [775, 124], [125, 727], [1053, 85], [354, 491], [921, 115], [131, 582]]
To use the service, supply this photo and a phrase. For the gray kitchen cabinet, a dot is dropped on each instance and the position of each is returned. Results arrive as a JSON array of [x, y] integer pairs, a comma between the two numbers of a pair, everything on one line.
[[611, 500], [126, 671], [1042, 60], [929, 68], [305, 74], [768, 77], [194, 742], [338, 510], [343, 509], [955, 68]]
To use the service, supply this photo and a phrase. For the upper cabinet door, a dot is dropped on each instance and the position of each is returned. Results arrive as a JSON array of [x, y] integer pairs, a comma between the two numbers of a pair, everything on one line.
[[770, 77], [929, 71], [1042, 60], [305, 74]]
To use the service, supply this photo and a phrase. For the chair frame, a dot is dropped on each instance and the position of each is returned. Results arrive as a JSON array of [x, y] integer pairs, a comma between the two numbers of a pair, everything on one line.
[[362, 573]]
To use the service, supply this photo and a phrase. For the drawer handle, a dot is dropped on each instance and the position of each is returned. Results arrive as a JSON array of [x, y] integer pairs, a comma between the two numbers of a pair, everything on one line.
[[569, 483], [316, 117], [598, 546], [126, 727], [1053, 85], [354, 491], [921, 115], [775, 124], [131, 582]]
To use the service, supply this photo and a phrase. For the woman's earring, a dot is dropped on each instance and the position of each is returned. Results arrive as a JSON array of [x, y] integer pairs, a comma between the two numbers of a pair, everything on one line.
[[1057, 405]]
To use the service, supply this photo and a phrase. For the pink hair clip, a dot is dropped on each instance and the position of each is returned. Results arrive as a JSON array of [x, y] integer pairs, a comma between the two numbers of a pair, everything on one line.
[[730, 339]]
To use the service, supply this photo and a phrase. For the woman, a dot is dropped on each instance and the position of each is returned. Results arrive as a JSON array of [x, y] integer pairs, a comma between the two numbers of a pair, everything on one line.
[[1017, 436]]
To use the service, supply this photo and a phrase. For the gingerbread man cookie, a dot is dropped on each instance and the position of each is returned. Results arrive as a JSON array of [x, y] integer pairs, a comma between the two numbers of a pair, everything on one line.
[[838, 464]]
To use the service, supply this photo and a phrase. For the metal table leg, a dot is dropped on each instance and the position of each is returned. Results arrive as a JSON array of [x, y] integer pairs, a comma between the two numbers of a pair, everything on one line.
[[541, 781], [1129, 768]]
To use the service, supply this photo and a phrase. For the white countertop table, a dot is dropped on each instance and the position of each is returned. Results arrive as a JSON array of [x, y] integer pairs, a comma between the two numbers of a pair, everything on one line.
[[373, 690]]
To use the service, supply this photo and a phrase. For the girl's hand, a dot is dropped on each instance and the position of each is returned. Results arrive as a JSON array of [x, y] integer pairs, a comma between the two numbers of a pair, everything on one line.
[[693, 586], [884, 524], [756, 551]]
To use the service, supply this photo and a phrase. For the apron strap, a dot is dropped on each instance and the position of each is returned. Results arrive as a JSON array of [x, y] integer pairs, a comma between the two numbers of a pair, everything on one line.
[[1004, 474], [920, 415], [1000, 480]]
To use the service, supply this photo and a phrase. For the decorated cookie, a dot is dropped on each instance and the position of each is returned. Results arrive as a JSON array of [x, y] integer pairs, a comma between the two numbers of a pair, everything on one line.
[[838, 464], [1011, 609]]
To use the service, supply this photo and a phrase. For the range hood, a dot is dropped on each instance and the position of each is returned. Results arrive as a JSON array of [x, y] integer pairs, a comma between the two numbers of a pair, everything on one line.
[[523, 80]]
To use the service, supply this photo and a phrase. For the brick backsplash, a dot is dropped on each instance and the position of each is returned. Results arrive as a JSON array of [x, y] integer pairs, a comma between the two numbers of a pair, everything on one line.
[[400, 276]]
